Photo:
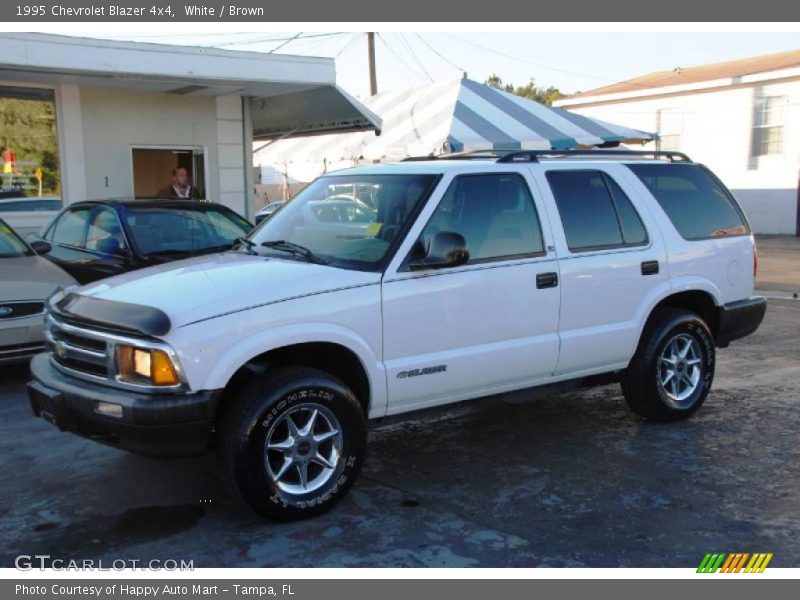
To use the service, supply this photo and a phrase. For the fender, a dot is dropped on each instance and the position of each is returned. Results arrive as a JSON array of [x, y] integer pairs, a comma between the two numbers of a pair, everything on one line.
[[309, 332], [686, 283], [696, 283]]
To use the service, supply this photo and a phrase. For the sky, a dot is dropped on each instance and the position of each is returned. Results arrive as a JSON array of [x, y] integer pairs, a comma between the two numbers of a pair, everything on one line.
[[572, 62]]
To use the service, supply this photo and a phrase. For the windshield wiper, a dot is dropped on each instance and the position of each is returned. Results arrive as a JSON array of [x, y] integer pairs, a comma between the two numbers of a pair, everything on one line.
[[295, 249], [247, 244]]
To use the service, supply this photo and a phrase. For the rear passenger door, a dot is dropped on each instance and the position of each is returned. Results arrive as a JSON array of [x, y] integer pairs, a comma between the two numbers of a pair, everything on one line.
[[612, 261], [487, 326]]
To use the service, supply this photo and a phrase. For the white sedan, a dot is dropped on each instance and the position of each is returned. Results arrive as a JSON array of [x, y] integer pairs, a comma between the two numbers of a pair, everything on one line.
[[26, 281]]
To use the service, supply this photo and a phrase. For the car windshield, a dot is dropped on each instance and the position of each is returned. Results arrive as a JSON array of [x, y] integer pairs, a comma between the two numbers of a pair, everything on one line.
[[349, 221], [183, 231], [11, 246]]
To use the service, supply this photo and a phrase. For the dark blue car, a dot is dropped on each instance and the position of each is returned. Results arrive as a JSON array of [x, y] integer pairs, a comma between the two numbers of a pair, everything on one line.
[[99, 238]]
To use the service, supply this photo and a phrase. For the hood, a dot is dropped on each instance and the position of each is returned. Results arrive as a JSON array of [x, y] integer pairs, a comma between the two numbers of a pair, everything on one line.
[[30, 278], [206, 286]]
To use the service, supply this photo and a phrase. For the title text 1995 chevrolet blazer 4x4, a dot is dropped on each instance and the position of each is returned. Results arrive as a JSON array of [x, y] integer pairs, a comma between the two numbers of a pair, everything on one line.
[[474, 275]]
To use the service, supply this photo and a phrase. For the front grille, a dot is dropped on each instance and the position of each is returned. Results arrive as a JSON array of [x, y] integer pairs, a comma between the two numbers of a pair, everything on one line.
[[17, 310], [80, 351], [89, 352], [82, 342]]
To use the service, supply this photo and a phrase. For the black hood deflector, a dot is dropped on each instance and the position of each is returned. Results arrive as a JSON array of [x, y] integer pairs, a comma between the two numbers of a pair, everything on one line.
[[108, 314]]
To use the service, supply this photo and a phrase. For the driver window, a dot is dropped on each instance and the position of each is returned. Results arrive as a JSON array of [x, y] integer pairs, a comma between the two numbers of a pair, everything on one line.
[[69, 228], [495, 214], [105, 233]]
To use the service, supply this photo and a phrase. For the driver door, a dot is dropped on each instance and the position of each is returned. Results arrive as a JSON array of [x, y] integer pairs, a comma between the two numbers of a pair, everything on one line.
[[487, 326]]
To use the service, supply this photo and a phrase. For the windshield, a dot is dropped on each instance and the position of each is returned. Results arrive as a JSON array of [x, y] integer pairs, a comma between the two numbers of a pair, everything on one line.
[[179, 231], [11, 246], [349, 221]]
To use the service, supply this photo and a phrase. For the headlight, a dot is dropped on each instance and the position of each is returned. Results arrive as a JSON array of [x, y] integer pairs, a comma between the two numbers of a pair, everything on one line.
[[145, 365]]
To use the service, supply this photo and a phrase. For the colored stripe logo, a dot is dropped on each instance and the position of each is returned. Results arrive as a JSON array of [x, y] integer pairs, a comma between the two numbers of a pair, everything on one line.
[[735, 562]]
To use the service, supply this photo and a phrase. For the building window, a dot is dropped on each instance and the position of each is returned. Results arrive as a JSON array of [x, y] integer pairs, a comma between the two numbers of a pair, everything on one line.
[[29, 159], [670, 127], [153, 170], [768, 125]]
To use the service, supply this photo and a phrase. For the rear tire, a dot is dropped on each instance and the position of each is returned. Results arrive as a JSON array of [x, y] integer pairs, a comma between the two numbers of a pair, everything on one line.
[[671, 373], [292, 442]]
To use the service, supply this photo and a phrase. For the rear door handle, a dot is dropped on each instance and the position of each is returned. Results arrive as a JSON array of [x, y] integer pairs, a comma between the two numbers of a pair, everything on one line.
[[650, 267], [546, 280]]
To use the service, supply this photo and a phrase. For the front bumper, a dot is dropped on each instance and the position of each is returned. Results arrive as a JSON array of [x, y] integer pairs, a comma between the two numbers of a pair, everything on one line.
[[16, 353], [151, 424], [739, 319], [20, 339]]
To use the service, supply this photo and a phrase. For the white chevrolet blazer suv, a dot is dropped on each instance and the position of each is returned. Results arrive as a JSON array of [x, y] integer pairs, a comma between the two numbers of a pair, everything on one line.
[[467, 276]]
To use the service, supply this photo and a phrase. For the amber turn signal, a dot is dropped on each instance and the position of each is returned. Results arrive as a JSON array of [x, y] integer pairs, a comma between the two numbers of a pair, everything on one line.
[[145, 366]]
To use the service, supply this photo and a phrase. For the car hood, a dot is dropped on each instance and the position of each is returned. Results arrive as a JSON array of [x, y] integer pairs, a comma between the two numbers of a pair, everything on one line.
[[30, 278], [203, 287]]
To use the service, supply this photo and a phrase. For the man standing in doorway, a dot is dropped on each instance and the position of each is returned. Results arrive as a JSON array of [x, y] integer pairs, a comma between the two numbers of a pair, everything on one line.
[[180, 187]]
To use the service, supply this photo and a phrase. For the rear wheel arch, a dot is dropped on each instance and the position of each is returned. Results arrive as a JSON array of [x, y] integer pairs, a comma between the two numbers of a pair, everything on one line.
[[699, 302]]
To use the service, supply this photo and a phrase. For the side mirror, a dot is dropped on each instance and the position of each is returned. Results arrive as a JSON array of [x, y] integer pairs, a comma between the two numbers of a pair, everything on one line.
[[445, 249], [40, 246]]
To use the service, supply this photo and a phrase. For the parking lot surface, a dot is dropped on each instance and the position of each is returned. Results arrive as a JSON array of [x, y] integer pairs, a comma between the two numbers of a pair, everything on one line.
[[527, 480]]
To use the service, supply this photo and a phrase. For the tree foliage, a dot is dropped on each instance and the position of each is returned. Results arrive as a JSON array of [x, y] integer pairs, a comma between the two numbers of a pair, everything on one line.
[[545, 95]]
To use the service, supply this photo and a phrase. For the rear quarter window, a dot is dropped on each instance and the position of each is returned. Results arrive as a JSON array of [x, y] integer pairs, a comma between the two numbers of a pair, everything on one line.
[[698, 205]]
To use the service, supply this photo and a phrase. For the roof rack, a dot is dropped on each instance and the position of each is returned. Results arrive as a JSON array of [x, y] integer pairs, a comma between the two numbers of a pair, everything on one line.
[[510, 156], [535, 155], [470, 155]]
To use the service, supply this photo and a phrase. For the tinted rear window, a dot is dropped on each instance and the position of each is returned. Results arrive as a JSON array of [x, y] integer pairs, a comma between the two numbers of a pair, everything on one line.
[[694, 200]]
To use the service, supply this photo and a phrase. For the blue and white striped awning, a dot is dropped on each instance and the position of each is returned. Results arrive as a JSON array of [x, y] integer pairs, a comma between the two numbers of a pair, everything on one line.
[[454, 116]]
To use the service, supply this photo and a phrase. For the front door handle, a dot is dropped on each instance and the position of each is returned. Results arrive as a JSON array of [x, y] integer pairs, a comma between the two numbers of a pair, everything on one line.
[[650, 267], [546, 280]]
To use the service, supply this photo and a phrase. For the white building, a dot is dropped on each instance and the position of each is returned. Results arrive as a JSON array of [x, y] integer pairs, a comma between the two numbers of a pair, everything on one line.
[[741, 118], [128, 113]]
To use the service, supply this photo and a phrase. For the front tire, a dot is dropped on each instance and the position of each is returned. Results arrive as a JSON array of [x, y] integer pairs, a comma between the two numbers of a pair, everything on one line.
[[671, 373], [293, 442]]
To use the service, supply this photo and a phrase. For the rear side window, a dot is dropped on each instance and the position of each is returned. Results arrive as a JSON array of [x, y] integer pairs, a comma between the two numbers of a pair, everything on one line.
[[633, 231], [595, 212], [698, 205], [70, 227]]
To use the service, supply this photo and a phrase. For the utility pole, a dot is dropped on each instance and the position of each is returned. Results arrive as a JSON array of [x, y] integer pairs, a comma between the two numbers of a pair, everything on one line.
[[373, 82]]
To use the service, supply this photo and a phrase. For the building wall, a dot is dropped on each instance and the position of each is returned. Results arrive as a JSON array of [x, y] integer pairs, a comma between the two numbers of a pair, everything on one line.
[[116, 121], [716, 129]]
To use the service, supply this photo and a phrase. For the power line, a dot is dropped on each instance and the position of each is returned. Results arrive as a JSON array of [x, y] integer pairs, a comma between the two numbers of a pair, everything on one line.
[[260, 40], [348, 44], [415, 57], [284, 43], [123, 36], [439, 54], [400, 60], [315, 47], [539, 65]]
